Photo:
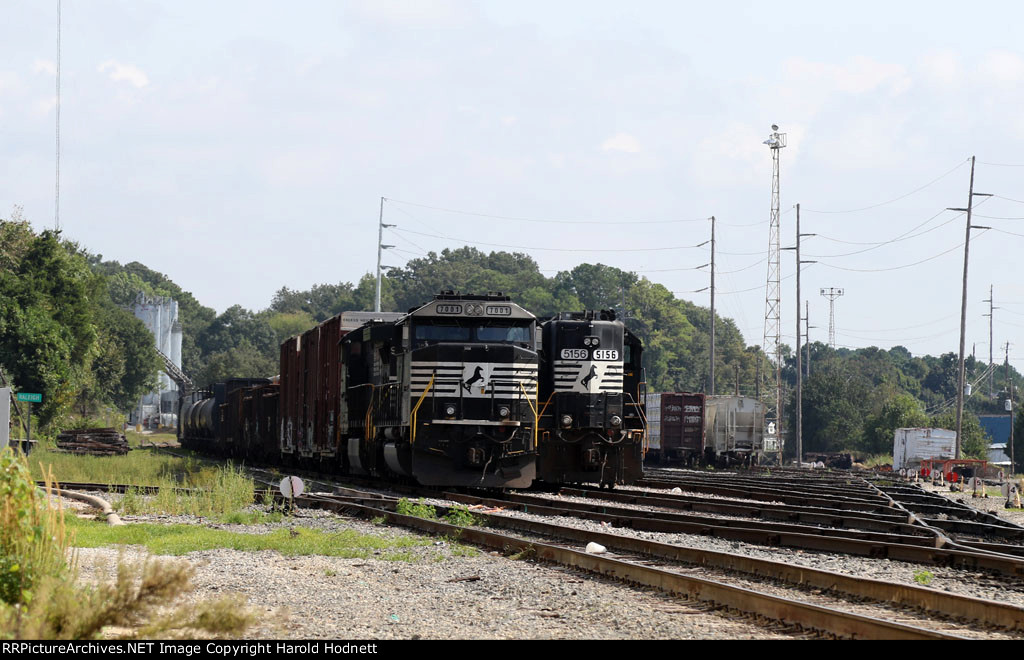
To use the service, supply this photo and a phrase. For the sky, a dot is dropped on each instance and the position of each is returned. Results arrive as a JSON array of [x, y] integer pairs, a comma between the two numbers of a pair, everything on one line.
[[239, 147]]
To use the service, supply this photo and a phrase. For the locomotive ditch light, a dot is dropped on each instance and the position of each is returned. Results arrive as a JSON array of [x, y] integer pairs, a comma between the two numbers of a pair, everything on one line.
[[566, 420], [504, 411], [450, 410], [616, 420]]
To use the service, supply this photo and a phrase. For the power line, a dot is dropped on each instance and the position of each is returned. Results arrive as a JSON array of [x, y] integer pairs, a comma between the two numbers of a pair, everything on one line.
[[898, 239], [551, 249], [882, 270], [911, 327], [916, 190], [547, 220]]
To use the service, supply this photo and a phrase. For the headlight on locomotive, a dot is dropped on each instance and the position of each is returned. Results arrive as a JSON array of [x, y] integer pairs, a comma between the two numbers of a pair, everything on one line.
[[616, 421], [450, 410], [566, 420], [504, 412]]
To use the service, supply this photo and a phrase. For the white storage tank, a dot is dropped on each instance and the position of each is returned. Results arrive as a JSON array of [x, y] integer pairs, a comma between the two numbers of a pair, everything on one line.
[[911, 446]]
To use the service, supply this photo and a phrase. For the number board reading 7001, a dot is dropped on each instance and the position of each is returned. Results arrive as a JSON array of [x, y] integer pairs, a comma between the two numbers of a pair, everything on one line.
[[499, 310], [449, 309]]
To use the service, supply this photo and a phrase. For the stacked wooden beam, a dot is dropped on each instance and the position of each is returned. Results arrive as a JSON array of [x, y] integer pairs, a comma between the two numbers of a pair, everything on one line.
[[98, 442]]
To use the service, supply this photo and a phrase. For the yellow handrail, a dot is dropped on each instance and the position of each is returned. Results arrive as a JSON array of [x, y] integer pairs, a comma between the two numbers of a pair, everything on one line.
[[416, 408], [643, 417], [368, 421], [546, 404], [536, 419]]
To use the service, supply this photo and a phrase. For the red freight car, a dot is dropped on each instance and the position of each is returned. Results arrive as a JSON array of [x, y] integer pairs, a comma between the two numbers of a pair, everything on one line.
[[675, 427]]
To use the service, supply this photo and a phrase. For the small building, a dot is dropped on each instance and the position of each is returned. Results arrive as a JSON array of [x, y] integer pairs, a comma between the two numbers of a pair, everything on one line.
[[997, 427]]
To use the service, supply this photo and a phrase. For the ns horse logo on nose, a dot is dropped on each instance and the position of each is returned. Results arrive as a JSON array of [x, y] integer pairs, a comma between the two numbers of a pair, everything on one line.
[[478, 376]]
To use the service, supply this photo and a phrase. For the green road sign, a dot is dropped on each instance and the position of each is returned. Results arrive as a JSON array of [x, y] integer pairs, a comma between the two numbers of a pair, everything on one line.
[[30, 397]]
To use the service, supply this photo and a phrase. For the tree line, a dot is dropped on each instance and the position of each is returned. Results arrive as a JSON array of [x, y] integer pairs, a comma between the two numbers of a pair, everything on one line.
[[65, 330]]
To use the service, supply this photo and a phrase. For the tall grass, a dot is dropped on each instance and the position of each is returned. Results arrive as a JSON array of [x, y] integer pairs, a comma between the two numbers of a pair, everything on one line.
[[32, 535], [138, 467], [40, 598], [214, 491]]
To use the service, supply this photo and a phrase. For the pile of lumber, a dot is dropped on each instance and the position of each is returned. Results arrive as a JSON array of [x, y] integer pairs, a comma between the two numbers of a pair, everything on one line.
[[98, 442]]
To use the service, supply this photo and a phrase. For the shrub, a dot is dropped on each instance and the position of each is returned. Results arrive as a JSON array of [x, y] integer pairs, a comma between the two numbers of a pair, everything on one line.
[[32, 543]]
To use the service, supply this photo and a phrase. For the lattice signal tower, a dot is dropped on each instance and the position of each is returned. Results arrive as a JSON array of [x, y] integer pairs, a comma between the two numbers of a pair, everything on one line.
[[832, 293], [772, 314]]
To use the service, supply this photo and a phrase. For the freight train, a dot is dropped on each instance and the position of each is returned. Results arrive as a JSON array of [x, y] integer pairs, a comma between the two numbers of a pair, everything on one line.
[[693, 429], [448, 394]]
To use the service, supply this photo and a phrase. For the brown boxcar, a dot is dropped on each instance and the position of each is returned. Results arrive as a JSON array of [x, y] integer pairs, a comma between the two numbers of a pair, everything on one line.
[[675, 429], [310, 358], [329, 390], [290, 395]]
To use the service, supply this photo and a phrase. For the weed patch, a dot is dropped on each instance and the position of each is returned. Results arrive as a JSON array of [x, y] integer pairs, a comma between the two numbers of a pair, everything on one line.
[[419, 509], [182, 539], [461, 516]]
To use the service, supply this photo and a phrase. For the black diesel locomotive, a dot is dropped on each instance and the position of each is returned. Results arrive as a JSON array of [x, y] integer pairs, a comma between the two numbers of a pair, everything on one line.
[[446, 395], [591, 420]]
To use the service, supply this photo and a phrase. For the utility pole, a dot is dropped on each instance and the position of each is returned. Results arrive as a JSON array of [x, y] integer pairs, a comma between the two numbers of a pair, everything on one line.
[[799, 367], [807, 333], [380, 250], [1009, 408], [56, 192], [963, 311], [991, 363], [832, 293], [712, 370], [772, 316]]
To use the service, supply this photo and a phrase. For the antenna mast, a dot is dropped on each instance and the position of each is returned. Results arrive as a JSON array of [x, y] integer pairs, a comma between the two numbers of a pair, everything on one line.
[[772, 320]]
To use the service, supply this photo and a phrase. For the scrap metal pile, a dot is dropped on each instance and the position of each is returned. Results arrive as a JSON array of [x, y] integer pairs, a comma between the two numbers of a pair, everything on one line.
[[98, 442]]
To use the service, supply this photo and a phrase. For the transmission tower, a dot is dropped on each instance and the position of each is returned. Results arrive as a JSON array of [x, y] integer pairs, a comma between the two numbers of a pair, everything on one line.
[[832, 293], [772, 306]]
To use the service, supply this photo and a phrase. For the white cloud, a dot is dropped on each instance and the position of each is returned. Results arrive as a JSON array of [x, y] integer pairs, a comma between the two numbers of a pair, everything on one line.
[[942, 68], [1003, 66], [621, 142], [860, 75], [44, 66], [413, 12], [43, 107], [126, 72]]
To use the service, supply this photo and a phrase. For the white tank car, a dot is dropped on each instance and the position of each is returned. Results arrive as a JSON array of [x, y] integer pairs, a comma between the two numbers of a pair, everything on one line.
[[734, 428]]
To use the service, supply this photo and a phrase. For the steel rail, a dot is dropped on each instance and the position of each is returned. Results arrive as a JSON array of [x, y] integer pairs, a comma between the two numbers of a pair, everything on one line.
[[806, 615], [765, 510], [768, 496], [661, 521]]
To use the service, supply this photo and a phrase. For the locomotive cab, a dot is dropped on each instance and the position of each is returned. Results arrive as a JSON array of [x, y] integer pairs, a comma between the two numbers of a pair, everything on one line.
[[449, 394], [592, 428]]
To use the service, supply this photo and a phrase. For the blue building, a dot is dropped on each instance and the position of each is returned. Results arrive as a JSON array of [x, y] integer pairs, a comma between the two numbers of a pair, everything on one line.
[[998, 429]]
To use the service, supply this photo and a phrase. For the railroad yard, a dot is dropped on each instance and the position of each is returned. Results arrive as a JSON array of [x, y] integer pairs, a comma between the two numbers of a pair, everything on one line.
[[684, 554]]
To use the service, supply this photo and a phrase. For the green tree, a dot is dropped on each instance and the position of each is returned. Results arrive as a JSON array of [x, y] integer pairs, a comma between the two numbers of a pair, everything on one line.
[[900, 411], [974, 441]]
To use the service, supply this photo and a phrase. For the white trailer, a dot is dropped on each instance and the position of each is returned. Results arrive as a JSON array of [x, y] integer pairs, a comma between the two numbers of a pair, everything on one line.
[[911, 446]]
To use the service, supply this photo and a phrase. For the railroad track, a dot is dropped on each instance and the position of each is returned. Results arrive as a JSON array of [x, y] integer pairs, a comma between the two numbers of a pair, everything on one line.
[[852, 501], [666, 567], [658, 565]]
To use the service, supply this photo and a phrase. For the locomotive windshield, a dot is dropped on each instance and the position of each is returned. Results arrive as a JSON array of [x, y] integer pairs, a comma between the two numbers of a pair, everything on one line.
[[448, 331]]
